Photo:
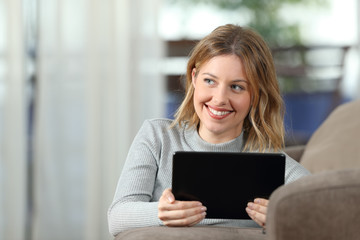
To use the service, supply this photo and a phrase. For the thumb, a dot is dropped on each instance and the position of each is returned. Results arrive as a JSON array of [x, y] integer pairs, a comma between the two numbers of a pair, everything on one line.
[[169, 195]]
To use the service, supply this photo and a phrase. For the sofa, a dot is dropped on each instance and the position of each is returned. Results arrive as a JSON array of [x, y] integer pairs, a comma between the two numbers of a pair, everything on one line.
[[324, 205]]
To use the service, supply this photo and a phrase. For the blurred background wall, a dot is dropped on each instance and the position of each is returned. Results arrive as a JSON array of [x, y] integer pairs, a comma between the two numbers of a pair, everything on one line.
[[77, 79]]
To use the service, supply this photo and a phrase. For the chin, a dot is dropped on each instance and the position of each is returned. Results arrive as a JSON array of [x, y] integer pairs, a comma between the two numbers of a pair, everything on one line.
[[215, 130]]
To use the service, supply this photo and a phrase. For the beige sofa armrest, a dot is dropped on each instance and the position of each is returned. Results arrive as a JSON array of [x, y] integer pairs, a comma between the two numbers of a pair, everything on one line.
[[295, 152], [335, 144], [319, 206]]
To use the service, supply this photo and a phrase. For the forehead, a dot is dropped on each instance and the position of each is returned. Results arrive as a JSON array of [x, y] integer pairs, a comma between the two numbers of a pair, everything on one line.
[[224, 65]]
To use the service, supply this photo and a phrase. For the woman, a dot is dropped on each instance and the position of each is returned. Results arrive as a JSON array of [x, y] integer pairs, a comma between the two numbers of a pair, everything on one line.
[[232, 104]]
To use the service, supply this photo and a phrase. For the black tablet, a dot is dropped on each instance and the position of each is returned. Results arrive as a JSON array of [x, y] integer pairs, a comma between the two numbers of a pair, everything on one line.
[[225, 182]]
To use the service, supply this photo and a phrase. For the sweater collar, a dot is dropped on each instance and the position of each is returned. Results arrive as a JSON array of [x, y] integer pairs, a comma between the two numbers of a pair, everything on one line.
[[196, 143]]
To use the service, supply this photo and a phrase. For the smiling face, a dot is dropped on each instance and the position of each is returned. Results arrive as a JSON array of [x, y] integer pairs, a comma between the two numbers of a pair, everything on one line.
[[221, 98]]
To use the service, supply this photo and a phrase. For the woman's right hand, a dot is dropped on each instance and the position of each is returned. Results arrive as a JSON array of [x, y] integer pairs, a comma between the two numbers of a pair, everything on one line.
[[175, 213]]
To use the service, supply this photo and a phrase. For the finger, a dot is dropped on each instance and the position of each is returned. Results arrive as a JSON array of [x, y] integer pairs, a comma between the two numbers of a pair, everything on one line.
[[190, 221], [180, 213], [168, 195], [197, 221], [178, 205], [257, 207], [261, 201], [259, 218]]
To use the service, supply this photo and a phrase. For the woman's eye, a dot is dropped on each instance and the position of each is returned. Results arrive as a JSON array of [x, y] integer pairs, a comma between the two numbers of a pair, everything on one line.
[[237, 87], [209, 81]]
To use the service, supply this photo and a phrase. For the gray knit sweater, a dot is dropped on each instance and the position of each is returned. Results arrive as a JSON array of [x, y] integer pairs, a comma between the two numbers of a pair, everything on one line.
[[147, 173]]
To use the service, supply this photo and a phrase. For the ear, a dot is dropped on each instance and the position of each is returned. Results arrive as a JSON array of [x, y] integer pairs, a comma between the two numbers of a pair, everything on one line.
[[193, 76]]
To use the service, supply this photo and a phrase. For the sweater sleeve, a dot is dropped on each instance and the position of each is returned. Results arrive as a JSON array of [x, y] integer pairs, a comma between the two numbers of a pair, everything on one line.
[[294, 170], [132, 206]]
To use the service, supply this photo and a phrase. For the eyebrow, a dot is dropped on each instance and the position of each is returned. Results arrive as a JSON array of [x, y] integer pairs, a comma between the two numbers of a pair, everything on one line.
[[214, 76]]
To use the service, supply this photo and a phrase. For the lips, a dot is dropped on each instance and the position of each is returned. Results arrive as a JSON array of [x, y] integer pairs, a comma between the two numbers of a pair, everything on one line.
[[219, 113]]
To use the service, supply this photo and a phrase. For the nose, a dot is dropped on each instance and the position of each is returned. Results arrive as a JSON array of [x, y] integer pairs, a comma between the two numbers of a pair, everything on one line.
[[220, 96]]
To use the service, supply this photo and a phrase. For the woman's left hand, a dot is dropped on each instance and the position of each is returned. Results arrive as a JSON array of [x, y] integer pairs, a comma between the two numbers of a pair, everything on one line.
[[257, 210]]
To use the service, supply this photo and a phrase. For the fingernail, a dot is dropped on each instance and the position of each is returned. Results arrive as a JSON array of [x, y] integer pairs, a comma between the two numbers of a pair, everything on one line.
[[170, 199], [248, 210], [257, 201], [250, 205], [203, 209]]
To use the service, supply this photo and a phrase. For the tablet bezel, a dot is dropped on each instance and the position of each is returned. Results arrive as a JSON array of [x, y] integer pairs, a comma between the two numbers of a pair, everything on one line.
[[226, 181]]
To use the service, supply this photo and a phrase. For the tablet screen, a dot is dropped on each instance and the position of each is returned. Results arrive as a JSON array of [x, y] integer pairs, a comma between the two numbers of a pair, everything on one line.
[[225, 182]]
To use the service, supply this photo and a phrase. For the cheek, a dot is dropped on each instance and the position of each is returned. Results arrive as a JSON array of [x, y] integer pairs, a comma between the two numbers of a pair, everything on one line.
[[196, 99], [200, 95], [243, 104]]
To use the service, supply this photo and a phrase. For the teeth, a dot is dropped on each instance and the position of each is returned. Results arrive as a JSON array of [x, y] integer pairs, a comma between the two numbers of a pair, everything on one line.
[[218, 113]]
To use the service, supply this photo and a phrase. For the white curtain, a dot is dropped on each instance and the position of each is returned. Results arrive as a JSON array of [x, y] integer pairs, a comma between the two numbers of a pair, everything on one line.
[[12, 122], [97, 78]]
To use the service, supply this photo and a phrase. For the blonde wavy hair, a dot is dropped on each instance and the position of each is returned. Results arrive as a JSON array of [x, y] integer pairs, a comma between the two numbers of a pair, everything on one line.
[[264, 127]]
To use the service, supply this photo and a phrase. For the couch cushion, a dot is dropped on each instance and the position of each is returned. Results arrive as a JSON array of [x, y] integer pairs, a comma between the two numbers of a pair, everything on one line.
[[319, 206], [335, 144], [187, 233], [295, 152]]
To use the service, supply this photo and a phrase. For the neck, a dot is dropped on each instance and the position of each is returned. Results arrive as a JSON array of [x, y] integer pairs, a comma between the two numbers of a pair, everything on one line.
[[214, 138]]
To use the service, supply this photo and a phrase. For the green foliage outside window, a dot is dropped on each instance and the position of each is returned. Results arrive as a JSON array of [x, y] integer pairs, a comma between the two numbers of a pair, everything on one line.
[[265, 16]]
